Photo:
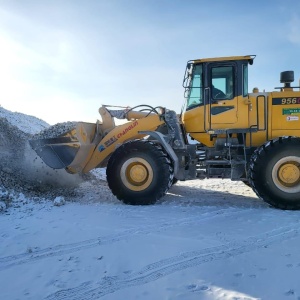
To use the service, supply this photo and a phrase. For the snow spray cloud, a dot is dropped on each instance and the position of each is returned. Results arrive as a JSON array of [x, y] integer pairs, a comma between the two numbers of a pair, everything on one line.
[[22, 170]]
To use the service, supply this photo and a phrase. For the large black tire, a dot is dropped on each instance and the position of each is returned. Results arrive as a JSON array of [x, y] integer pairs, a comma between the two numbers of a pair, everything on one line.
[[139, 172], [247, 183], [274, 171], [174, 181]]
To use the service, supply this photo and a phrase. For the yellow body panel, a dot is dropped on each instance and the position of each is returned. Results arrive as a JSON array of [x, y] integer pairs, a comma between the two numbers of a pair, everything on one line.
[[274, 114], [286, 115], [281, 118], [199, 122]]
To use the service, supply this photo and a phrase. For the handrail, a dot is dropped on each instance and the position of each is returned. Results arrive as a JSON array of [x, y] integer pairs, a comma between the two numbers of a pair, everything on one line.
[[264, 111], [207, 93]]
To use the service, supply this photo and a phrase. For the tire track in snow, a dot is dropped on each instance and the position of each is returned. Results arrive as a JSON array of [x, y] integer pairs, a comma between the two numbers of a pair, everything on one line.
[[162, 268], [28, 257]]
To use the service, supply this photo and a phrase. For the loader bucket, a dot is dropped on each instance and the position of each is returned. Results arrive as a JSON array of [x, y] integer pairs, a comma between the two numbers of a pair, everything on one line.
[[70, 150], [57, 153]]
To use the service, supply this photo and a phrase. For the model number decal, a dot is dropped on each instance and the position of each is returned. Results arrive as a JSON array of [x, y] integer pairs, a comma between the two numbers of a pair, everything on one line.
[[286, 101]]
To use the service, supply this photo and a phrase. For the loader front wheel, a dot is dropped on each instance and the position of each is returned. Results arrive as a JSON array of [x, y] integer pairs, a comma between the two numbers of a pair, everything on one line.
[[139, 172], [275, 172]]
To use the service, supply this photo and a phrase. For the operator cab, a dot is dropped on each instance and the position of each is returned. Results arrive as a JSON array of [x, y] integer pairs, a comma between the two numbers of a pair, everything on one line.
[[214, 89]]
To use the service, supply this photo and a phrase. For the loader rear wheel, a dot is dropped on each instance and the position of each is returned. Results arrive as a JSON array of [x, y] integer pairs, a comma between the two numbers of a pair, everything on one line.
[[139, 172], [275, 172]]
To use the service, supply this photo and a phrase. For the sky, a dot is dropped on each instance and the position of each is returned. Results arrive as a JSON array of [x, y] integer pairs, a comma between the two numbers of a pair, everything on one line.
[[60, 60]]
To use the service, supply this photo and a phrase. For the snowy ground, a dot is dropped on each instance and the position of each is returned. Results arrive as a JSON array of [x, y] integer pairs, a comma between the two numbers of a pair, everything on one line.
[[211, 239]]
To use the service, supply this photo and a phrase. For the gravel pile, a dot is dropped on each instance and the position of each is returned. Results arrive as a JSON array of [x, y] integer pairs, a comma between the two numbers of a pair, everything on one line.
[[22, 121], [55, 130], [22, 171]]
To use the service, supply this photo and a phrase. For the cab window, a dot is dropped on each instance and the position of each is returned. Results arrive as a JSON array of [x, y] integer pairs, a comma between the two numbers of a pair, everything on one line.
[[195, 88], [222, 78]]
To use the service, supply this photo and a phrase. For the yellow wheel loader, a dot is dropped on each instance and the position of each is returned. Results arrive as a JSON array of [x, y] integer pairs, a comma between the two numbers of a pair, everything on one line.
[[252, 136]]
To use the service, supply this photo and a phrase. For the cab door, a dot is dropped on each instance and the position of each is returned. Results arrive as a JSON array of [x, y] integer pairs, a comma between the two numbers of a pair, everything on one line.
[[220, 95]]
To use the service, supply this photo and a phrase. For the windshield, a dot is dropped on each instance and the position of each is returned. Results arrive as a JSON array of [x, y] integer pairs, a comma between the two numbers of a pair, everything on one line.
[[193, 86]]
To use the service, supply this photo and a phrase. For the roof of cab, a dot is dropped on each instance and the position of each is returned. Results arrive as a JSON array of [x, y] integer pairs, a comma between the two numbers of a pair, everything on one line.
[[226, 58]]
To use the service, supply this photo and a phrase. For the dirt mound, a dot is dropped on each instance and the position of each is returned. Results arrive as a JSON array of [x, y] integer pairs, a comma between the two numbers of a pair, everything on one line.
[[21, 170]]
